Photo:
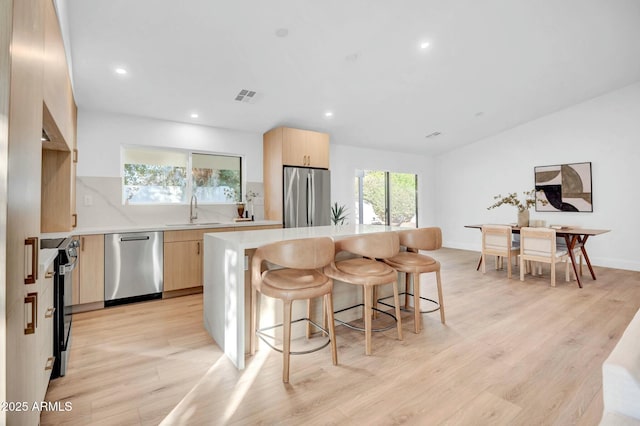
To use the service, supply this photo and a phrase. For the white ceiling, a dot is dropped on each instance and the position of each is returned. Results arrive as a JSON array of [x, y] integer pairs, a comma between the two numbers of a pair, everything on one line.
[[491, 64]]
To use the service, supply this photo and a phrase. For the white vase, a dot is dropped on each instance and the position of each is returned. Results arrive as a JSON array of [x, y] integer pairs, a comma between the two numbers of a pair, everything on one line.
[[523, 218]]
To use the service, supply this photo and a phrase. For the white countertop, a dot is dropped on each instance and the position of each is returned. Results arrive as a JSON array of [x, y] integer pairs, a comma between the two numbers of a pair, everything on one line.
[[156, 227], [254, 239]]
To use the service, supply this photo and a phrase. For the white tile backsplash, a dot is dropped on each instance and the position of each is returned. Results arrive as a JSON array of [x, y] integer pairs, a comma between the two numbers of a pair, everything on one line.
[[99, 203]]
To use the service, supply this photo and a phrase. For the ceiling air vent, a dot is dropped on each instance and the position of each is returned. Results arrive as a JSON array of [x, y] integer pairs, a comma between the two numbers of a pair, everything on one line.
[[247, 96], [433, 135]]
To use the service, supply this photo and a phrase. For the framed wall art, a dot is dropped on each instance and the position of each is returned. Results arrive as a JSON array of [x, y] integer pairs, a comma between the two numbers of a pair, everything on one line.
[[565, 187]]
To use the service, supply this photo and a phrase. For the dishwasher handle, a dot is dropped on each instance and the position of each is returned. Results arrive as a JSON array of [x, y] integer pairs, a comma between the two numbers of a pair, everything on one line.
[[136, 238]]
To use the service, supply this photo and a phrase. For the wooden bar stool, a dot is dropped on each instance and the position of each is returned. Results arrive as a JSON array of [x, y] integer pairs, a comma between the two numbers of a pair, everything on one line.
[[412, 263], [367, 272], [299, 278]]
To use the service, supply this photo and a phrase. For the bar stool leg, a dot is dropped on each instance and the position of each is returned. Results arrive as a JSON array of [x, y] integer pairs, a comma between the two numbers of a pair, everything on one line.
[[286, 339], [407, 290], [309, 317], [417, 316], [396, 301], [374, 303], [440, 298], [328, 303], [253, 321], [368, 301], [324, 315]]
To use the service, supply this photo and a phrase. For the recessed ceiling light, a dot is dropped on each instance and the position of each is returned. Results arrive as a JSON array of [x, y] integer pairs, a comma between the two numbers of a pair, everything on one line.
[[424, 44], [328, 114], [121, 71], [282, 32], [194, 115]]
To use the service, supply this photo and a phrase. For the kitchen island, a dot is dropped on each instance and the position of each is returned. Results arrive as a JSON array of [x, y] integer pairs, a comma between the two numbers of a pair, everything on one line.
[[226, 286]]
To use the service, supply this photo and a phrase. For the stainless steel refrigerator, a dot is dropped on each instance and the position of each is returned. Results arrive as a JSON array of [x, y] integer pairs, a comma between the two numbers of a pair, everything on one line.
[[307, 197]]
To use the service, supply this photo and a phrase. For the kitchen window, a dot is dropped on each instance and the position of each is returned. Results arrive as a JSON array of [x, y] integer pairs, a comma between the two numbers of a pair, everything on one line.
[[386, 198], [164, 176]]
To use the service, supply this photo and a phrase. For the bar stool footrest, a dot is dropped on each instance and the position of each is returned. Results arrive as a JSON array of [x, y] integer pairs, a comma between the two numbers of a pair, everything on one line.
[[263, 336], [437, 308], [354, 327]]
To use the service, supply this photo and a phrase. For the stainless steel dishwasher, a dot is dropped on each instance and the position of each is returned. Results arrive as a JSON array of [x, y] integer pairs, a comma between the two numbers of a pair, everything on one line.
[[133, 267]]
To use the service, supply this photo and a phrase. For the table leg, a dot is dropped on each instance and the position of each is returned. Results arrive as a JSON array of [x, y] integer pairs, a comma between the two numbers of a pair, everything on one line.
[[583, 241], [571, 242]]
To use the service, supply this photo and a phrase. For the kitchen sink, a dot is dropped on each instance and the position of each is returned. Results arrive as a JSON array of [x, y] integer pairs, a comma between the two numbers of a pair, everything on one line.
[[193, 224]]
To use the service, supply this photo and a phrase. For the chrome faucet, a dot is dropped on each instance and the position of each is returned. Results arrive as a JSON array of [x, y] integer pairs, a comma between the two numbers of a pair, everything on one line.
[[192, 203]]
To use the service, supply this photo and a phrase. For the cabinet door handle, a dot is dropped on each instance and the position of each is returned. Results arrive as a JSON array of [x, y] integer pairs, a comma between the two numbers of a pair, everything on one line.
[[81, 243], [75, 220], [32, 323], [75, 156], [50, 311], [49, 274], [32, 276], [50, 361], [198, 248]]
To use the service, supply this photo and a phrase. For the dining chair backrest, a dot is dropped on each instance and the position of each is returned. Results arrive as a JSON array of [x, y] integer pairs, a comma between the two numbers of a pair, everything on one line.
[[421, 238], [538, 242], [496, 237]]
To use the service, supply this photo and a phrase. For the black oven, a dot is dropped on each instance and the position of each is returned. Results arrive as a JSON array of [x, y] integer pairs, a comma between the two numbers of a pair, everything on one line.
[[64, 264]]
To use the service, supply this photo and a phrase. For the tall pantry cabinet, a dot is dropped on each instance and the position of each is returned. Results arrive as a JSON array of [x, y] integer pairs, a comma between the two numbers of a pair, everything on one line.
[[25, 292]]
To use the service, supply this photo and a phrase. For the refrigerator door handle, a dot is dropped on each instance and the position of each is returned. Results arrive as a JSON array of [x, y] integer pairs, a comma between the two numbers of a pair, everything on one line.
[[308, 199]]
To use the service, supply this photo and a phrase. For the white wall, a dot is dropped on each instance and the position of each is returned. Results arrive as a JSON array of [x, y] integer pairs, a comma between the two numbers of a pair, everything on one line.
[[345, 160], [101, 134], [604, 131]]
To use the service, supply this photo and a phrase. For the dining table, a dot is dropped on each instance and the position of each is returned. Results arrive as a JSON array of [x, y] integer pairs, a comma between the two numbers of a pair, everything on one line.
[[574, 237]]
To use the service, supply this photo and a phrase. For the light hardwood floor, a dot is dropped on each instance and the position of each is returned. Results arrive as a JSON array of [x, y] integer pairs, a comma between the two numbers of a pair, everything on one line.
[[512, 353]]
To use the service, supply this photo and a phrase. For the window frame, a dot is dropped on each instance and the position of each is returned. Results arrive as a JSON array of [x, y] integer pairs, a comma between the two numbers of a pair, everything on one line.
[[360, 174], [189, 175]]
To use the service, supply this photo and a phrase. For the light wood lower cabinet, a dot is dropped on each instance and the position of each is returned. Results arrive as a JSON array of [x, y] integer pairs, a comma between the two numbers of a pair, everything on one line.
[[182, 265], [183, 269], [183, 260], [88, 277], [44, 335]]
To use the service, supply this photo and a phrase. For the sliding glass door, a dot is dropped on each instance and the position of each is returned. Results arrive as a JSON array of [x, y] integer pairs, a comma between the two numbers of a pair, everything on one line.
[[386, 198]]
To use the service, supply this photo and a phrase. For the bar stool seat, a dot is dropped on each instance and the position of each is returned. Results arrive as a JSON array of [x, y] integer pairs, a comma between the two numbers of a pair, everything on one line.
[[299, 277]]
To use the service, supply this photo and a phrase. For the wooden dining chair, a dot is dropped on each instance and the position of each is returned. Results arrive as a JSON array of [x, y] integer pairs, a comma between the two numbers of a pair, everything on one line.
[[539, 245], [299, 277], [497, 241]]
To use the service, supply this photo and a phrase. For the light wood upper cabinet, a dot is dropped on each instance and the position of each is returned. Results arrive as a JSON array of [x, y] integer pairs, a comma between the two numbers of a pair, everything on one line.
[[285, 146], [58, 96], [59, 115], [305, 148], [91, 269]]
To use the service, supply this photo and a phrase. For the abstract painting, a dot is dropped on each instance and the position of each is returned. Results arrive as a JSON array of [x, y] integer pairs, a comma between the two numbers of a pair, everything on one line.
[[565, 187]]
